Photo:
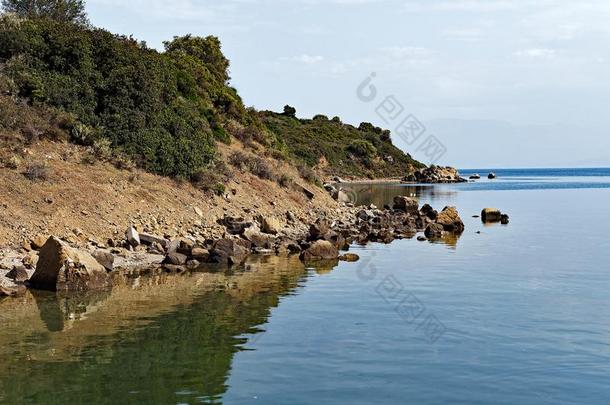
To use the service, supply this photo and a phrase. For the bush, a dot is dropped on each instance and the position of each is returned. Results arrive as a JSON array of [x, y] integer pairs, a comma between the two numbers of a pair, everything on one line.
[[254, 164], [285, 181], [212, 178], [37, 172], [308, 174], [362, 148], [163, 110]]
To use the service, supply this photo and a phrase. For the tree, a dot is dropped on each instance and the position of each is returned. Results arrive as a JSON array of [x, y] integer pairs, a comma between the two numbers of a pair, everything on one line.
[[290, 111], [59, 10], [208, 50]]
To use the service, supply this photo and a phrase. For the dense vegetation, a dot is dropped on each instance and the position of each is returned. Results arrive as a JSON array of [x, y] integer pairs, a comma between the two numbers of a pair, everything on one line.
[[339, 148], [164, 111]]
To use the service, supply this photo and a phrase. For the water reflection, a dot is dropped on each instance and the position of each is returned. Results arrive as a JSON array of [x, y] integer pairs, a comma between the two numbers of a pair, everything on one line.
[[159, 339], [381, 194]]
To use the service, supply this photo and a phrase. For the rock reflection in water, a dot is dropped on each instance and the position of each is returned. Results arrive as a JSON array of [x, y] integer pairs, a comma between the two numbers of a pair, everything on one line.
[[384, 193], [152, 336]]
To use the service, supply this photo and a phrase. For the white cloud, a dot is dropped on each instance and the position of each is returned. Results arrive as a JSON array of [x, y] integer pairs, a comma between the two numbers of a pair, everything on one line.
[[308, 59], [542, 53]]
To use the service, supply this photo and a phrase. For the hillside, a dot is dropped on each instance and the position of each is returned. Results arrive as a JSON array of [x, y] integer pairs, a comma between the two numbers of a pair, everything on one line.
[[164, 112]]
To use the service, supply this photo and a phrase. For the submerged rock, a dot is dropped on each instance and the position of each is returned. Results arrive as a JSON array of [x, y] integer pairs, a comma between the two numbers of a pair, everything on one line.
[[491, 215], [349, 257], [504, 219], [434, 231], [62, 268], [320, 250], [450, 220], [491, 176]]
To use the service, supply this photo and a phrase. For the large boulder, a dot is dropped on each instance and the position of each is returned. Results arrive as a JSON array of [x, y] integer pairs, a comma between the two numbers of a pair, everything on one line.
[[231, 251], [258, 238], [450, 220], [132, 236], [62, 268], [406, 204], [491, 215], [320, 250], [175, 258], [148, 239]]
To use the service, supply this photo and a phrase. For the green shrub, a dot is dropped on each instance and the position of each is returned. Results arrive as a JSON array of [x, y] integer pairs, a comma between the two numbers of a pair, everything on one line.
[[362, 148], [163, 110]]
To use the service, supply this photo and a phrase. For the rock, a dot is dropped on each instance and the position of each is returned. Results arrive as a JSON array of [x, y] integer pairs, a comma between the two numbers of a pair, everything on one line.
[[406, 204], [132, 236], [308, 193], [257, 238], [475, 177], [429, 212], [365, 215], [18, 274], [270, 225], [193, 264], [38, 242], [434, 231], [148, 239], [422, 238], [200, 254], [349, 257], [491, 215], [62, 268], [435, 174], [290, 216], [176, 259], [30, 260], [343, 197], [198, 211], [338, 179], [319, 229], [185, 246], [104, 258], [231, 251], [450, 220], [320, 250], [504, 219], [491, 176], [235, 226]]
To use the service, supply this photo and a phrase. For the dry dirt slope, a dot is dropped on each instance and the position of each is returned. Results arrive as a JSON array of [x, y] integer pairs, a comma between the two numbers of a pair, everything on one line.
[[81, 201]]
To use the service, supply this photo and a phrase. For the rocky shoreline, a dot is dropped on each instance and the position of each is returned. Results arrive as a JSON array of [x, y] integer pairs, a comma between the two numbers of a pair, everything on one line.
[[49, 263], [434, 175]]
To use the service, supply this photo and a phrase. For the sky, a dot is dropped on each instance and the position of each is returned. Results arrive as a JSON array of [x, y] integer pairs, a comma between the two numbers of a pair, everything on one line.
[[494, 83]]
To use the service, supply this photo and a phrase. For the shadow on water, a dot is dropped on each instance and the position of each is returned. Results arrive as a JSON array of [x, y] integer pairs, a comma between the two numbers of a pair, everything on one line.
[[155, 339]]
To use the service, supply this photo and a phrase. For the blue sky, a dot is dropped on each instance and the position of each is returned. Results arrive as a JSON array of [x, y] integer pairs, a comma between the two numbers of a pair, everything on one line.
[[500, 83]]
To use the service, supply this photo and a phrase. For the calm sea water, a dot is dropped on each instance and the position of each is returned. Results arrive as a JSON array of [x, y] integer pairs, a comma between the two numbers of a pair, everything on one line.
[[513, 314]]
